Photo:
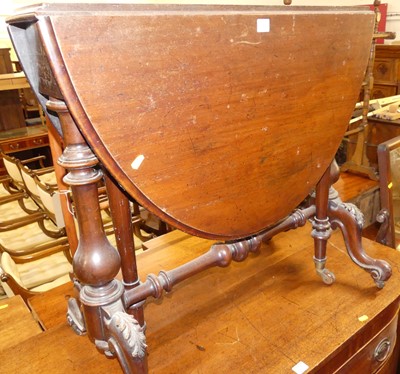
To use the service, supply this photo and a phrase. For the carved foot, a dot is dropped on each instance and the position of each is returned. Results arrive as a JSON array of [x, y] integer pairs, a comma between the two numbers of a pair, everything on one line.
[[350, 220], [120, 334], [75, 317], [384, 235]]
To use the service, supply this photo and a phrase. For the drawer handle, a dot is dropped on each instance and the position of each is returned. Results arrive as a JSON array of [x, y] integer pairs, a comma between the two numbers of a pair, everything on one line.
[[38, 141], [382, 350], [14, 146]]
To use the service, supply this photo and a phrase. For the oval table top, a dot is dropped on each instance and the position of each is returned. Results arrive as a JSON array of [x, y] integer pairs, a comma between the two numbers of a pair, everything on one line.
[[219, 119]]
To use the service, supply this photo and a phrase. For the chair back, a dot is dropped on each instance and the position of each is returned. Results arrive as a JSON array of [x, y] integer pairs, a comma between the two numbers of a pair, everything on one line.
[[28, 178], [9, 267], [11, 165], [51, 201]]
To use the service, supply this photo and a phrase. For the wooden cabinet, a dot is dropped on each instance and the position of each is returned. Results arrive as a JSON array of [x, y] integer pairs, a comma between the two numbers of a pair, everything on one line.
[[25, 139], [5, 61], [386, 71], [11, 113]]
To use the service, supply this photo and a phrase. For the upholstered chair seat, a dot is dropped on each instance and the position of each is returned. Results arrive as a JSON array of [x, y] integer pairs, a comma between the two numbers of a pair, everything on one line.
[[35, 276]]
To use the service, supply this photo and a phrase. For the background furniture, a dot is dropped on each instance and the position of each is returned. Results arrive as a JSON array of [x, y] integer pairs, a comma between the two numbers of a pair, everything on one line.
[[11, 113], [389, 166], [21, 143], [380, 130], [386, 71]]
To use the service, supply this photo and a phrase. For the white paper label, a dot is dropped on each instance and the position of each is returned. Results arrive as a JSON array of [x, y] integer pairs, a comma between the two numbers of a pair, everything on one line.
[[300, 367], [137, 162], [263, 25]]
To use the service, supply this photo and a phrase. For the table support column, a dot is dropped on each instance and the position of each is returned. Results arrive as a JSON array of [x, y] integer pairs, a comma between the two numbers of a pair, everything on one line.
[[96, 262]]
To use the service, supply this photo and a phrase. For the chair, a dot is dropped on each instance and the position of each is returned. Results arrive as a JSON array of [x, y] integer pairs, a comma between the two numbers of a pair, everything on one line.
[[11, 205], [25, 240], [34, 235], [33, 112], [6, 186], [30, 278], [46, 196], [12, 167]]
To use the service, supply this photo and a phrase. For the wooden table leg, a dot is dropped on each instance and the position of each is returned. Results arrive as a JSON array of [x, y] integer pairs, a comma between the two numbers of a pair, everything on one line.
[[322, 227], [123, 228], [96, 262], [332, 213]]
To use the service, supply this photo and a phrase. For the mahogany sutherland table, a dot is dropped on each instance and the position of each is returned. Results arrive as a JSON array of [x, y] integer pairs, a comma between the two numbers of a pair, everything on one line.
[[211, 118], [263, 315]]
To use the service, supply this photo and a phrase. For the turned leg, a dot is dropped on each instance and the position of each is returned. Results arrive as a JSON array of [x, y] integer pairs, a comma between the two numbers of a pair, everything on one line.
[[321, 226], [96, 262], [123, 228]]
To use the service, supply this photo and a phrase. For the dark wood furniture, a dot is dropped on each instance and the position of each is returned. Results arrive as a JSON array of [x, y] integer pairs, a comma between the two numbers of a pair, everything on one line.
[[198, 113], [265, 314], [380, 130], [11, 113], [5, 61], [386, 71], [362, 192], [389, 166], [23, 140]]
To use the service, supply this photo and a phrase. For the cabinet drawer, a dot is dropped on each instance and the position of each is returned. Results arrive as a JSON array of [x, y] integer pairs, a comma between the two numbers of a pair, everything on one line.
[[14, 146], [385, 70], [38, 142], [381, 90], [375, 353]]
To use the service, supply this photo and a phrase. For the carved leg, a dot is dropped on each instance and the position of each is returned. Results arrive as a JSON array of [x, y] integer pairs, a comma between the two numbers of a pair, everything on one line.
[[331, 212], [321, 226], [96, 262], [350, 220]]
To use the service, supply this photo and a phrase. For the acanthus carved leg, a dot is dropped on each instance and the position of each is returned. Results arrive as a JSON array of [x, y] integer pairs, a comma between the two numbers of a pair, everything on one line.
[[350, 220], [332, 213], [122, 336]]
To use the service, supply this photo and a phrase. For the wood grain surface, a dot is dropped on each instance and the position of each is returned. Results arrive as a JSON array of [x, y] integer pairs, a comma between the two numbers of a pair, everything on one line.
[[213, 120]]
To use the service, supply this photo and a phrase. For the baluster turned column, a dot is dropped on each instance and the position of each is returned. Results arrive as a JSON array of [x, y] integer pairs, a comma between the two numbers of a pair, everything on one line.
[[96, 262]]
